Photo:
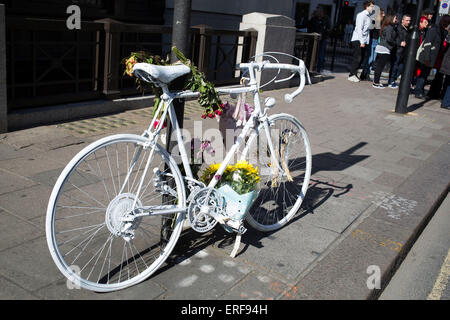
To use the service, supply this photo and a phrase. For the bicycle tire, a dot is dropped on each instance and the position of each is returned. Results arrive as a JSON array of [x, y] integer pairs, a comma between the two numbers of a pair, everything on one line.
[[86, 204], [269, 212]]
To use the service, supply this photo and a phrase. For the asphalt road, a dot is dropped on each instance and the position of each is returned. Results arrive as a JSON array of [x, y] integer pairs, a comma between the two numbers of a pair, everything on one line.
[[424, 273]]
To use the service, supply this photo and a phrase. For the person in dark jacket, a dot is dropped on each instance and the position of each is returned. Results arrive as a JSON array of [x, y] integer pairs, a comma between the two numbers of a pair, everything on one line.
[[398, 59], [320, 23], [384, 48], [436, 89], [445, 69], [423, 26], [428, 53]]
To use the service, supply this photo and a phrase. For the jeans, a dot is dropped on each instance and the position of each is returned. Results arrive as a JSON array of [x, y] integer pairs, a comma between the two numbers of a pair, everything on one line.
[[356, 59], [321, 58], [371, 56], [396, 68], [446, 100], [421, 78]]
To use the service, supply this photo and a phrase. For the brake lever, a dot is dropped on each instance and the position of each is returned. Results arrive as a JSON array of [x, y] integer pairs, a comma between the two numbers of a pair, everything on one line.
[[286, 79]]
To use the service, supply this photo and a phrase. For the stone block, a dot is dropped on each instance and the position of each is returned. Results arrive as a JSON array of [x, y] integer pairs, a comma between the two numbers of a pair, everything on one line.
[[269, 27]]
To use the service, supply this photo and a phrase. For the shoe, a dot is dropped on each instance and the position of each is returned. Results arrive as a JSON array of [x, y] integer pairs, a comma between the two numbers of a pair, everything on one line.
[[393, 85], [420, 96], [377, 85], [353, 78], [445, 107]]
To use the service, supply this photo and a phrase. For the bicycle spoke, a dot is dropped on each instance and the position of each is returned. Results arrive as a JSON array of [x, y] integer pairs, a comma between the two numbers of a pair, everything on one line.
[[94, 196], [279, 197]]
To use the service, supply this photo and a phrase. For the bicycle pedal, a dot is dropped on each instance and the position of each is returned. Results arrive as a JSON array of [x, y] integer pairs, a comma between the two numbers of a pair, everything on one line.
[[242, 230], [236, 226]]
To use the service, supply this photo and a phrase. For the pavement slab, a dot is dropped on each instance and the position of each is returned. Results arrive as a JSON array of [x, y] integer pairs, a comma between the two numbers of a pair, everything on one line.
[[27, 203], [28, 265], [15, 231], [10, 182], [201, 274]]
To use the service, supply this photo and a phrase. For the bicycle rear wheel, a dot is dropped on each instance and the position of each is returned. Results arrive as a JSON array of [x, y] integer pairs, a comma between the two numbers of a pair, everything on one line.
[[281, 192], [88, 241]]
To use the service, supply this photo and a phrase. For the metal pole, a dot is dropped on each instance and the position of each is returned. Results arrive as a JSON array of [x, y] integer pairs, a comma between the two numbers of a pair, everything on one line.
[[180, 27], [180, 39], [403, 92]]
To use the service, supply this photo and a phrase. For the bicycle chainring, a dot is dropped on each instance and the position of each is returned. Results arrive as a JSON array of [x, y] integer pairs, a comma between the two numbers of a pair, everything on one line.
[[203, 202]]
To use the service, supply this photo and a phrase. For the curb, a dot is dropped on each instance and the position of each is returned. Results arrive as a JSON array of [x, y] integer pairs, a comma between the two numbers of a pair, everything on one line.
[[379, 239], [407, 247]]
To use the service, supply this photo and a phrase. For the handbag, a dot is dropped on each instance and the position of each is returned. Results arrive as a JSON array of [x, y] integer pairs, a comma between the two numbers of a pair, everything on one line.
[[419, 51]]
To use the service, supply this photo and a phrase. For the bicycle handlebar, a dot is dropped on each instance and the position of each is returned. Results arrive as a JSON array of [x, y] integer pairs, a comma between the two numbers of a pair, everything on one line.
[[300, 69]]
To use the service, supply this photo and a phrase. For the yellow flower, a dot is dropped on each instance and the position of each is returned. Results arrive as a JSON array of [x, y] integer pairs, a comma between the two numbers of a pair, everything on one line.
[[243, 166]]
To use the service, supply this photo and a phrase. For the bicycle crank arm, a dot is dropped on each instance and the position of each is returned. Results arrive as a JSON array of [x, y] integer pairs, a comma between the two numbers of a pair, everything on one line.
[[236, 226], [153, 211]]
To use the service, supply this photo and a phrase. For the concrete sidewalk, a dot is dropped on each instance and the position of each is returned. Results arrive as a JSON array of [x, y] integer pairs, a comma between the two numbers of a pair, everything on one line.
[[377, 177]]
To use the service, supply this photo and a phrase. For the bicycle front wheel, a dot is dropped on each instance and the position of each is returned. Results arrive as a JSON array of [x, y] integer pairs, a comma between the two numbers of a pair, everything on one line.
[[88, 240], [282, 187]]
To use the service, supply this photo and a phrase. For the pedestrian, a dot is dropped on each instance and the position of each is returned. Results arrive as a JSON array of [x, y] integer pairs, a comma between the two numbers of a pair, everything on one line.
[[369, 59], [429, 13], [398, 59], [436, 89], [423, 24], [360, 38], [348, 30], [428, 52], [445, 69], [384, 48], [320, 23]]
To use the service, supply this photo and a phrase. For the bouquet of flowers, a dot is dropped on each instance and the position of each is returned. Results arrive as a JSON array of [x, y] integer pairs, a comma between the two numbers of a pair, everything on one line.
[[238, 184], [209, 98], [145, 57]]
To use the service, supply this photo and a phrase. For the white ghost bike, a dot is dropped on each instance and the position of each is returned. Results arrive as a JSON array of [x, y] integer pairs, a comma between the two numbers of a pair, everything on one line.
[[118, 207]]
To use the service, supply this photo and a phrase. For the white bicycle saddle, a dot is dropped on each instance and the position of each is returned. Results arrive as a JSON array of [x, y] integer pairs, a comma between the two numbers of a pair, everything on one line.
[[163, 74]]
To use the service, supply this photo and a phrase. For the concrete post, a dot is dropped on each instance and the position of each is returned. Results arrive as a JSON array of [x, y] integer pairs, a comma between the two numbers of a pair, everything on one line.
[[3, 91], [276, 33]]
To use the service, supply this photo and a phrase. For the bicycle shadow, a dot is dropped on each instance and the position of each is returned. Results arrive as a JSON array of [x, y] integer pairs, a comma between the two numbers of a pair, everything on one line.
[[318, 193], [320, 190]]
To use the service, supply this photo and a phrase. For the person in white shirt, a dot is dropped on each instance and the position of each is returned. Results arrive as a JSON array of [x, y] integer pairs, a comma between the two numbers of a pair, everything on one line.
[[360, 38]]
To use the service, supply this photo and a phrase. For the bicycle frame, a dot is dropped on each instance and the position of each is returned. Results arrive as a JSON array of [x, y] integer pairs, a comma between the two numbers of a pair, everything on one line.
[[166, 106]]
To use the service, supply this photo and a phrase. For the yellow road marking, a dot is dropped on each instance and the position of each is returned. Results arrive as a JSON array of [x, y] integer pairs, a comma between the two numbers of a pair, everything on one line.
[[441, 281]]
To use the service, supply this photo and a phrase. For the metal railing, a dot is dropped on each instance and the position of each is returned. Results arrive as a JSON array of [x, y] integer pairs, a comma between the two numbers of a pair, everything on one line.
[[48, 64], [306, 48], [338, 53]]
